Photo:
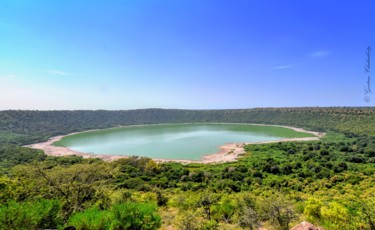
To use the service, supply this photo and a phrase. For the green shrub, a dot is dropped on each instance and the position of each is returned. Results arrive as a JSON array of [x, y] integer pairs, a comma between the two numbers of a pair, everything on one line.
[[90, 219], [135, 216], [30, 215]]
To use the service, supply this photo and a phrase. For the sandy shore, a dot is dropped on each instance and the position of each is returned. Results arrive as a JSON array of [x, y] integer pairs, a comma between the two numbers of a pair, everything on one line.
[[228, 152]]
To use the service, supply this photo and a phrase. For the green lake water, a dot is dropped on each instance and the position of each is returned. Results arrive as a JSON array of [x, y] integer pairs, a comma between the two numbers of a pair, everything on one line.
[[172, 141]]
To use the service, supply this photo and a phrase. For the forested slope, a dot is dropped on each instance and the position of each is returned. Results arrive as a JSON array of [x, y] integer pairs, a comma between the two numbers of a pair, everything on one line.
[[24, 127], [330, 182]]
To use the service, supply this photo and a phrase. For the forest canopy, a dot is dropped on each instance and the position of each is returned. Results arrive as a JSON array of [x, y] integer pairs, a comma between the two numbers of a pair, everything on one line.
[[329, 182]]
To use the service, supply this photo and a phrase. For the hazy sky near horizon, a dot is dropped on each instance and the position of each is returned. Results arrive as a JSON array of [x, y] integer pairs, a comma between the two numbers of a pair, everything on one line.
[[192, 54]]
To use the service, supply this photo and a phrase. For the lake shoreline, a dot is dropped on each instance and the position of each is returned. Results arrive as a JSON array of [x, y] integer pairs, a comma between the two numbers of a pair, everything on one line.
[[228, 152]]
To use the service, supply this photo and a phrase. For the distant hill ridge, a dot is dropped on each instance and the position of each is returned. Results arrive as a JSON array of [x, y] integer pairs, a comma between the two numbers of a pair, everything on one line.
[[27, 126]]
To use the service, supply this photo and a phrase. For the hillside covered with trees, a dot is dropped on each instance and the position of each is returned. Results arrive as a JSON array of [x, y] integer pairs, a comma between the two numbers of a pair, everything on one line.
[[25, 127], [330, 182]]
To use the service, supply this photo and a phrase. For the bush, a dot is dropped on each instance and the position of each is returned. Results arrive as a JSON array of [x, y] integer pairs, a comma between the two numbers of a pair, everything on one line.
[[135, 216], [31, 215], [90, 219], [312, 210]]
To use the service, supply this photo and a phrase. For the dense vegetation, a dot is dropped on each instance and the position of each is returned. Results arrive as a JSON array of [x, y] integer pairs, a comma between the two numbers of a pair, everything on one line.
[[23, 127], [330, 182]]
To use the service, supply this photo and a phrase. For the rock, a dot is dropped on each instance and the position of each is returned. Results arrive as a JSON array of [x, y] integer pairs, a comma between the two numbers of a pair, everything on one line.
[[306, 226]]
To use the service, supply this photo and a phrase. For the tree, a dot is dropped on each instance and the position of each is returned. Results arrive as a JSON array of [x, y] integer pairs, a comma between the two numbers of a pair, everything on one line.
[[249, 218], [77, 186], [188, 221], [206, 201], [226, 209], [280, 211]]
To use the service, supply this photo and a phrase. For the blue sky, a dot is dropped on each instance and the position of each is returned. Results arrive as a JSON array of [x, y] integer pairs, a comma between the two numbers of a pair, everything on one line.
[[188, 54]]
